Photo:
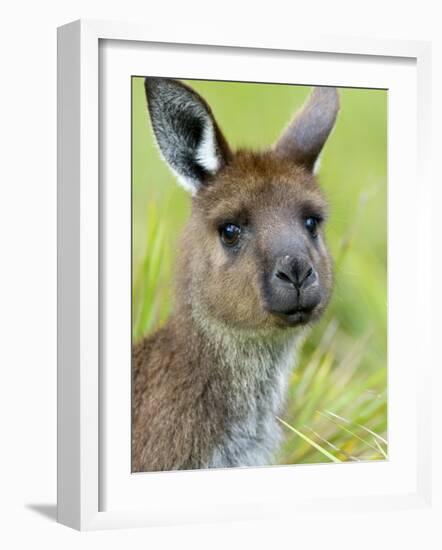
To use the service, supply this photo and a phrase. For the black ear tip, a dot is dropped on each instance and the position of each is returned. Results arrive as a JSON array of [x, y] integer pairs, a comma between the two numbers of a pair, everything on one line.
[[154, 85], [151, 84]]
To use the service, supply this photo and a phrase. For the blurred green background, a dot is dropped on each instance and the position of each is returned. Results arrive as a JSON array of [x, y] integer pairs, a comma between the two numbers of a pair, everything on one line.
[[337, 403]]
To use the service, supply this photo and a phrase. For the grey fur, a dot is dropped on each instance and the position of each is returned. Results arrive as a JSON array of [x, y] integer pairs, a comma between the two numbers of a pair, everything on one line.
[[259, 366], [306, 135]]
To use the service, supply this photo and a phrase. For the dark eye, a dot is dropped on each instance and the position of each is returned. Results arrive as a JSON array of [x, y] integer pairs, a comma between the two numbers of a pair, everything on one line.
[[230, 234], [311, 224]]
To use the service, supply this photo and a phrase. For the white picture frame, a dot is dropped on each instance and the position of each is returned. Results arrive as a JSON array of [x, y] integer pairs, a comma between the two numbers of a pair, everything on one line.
[[85, 50]]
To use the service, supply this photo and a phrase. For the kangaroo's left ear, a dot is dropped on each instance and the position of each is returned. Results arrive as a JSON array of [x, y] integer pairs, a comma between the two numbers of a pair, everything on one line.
[[305, 136], [186, 132]]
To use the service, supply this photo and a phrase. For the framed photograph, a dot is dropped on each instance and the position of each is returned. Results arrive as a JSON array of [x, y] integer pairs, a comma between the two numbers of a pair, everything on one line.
[[234, 289]]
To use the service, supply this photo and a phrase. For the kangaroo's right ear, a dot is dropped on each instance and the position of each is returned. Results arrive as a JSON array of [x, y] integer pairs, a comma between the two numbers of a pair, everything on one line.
[[186, 132]]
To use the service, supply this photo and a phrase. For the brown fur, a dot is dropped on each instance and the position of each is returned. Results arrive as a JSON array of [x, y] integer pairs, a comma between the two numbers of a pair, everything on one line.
[[189, 391], [179, 399]]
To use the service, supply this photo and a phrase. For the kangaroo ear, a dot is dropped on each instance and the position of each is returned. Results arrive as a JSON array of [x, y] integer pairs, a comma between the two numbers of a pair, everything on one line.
[[305, 136], [186, 132]]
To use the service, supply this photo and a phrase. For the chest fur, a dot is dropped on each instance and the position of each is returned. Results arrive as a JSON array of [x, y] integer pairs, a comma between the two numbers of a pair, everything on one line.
[[252, 433]]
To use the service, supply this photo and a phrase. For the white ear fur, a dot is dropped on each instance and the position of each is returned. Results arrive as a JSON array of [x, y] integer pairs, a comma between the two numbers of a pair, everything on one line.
[[188, 184], [206, 154], [317, 165]]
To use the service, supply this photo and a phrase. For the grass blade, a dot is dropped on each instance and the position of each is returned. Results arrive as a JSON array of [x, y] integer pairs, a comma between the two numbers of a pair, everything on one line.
[[309, 441], [347, 430], [374, 434]]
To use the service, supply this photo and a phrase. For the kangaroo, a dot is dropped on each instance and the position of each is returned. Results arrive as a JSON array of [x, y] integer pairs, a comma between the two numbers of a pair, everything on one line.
[[253, 270]]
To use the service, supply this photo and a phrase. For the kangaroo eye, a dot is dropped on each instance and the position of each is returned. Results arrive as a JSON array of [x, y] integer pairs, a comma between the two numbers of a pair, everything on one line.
[[311, 224], [230, 234]]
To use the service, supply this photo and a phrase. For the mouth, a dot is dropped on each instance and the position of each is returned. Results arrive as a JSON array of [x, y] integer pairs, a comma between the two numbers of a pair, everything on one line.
[[295, 316]]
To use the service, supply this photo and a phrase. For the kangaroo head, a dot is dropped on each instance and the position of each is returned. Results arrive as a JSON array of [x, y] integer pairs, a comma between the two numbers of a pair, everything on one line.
[[253, 251]]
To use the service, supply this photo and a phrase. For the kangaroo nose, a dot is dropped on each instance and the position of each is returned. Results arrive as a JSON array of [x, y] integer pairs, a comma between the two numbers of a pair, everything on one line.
[[295, 271]]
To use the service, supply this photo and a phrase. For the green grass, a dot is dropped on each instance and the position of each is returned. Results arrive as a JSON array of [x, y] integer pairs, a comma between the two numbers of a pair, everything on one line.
[[337, 402]]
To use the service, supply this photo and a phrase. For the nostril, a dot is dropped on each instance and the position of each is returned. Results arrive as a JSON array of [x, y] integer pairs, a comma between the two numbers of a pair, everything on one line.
[[306, 278], [307, 274], [281, 275]]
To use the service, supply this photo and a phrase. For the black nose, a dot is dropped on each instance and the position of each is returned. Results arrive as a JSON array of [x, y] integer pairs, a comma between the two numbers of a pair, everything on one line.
[[297, 271]]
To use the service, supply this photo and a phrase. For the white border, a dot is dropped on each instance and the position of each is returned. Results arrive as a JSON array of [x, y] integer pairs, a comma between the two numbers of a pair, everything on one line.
[[118, 62], [78, 314]]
